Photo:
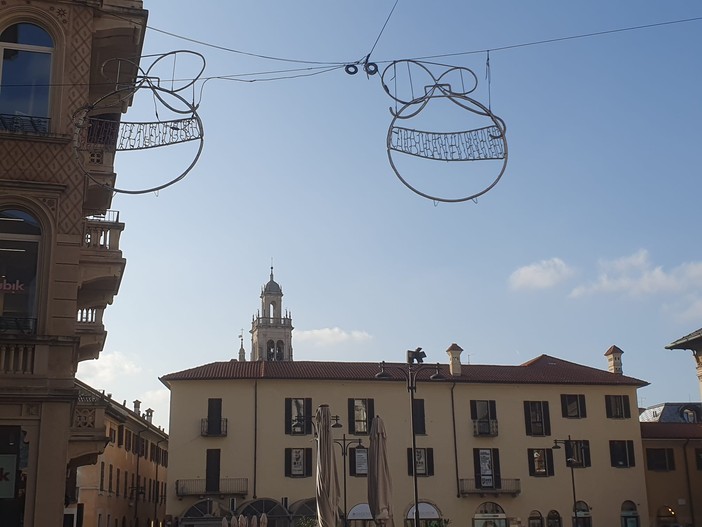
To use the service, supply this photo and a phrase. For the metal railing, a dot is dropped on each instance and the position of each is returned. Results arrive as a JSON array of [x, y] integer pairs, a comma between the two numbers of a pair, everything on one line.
[[213, 427], [21, 325], [24, 123], [505, 486], [198, 487], [485, 427]]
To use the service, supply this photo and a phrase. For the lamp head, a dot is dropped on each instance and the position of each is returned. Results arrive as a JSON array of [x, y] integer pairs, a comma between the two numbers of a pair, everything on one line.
[[416, 355]]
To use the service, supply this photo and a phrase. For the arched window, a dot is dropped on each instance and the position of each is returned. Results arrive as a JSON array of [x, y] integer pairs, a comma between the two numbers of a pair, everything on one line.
[[630, 515], [270, 350], [553, 519], [276, 514], [489, 514], [582, 515], [20, 235], [535, 519], [25, 78], [280, 350]]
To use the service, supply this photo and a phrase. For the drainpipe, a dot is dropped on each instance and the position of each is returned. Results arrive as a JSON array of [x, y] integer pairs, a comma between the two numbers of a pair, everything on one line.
[[455, 443], [255, 437], [689, 484]]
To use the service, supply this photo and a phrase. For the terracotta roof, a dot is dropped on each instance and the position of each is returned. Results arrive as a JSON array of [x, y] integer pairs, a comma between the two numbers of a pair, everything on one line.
[[693, 341], [671, 431], [541, 370]]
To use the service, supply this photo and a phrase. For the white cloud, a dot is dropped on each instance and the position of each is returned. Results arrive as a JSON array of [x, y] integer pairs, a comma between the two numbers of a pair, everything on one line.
[[636, 275], [105, 370], [330, 336], [540, 275]]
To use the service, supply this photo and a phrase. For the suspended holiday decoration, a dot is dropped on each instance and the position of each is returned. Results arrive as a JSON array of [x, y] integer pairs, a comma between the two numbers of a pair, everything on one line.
[[98, 130], [427, 126]]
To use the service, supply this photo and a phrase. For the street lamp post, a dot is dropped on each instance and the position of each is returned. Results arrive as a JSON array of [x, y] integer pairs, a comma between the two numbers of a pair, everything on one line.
[[344, 444], [568, 443], [410, 373]]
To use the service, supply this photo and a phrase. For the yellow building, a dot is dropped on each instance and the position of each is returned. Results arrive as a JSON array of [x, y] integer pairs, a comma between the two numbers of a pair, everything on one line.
[[60, 261], [241, 440], [126, 485]]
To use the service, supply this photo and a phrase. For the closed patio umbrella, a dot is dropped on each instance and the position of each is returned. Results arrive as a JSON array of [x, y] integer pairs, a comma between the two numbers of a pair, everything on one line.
[[253, 521], [242, 521], [379, 483], [264, 520], [327, 481]]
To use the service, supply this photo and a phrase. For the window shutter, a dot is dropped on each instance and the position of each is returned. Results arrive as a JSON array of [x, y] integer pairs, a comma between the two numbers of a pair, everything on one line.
[[581, 404], [608, 405], [308, 415], [614, 458], [430, 461], [288, 416], [308, 461], [670, 458], [630, 453], [586, 453], [564, 405], [496, 468], [370, 413], [473, 410], [527, 418], [627, 408], [288, 462], [546, 417], [120, 435], [352, 417], [493, 410], [549, 462], [410, 465], [476, 468], [532, 464]]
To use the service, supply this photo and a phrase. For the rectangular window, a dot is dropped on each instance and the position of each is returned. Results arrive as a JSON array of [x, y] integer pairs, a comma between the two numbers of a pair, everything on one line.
[[361, 413], [113, 435], [212, 470], [117, 483], [577, 453], [540, 462], [102, 476], [661, 459], [617, 406], [358, 461], [698, 458], [126, 485], [298, 416], [622, 453], [486, 464], [537, 418], [109, 481], [120, 435], [573, 406], [425, 461], [127, 440], [484, 417], [418, 416], [214, 417], [298, 462]]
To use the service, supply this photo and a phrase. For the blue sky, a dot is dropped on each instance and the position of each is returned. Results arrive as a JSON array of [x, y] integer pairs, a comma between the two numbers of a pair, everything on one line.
[[589, 239]]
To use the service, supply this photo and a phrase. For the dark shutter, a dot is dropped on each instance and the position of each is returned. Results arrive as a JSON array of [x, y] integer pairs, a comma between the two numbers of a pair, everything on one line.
[[370, 413], [352, 417], [581, 404], [493, 409], [615, 454], [627, 408], [476, 468], [418, 410], [586, 453], [608, 406], [670, 458], [630, 453], [120, 435], [497, 480], [532, 464], [546, 417], [288, 462], [214, 417], [430, 461], [308, 415], [564, 405], [288, 416], [549, 462], [212, 470], [473, 410], [308, 462], [527, 418], [410, 462]]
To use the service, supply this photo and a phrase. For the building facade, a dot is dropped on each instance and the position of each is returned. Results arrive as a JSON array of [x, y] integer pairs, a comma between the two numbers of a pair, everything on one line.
[[60, 262], [125, 487]]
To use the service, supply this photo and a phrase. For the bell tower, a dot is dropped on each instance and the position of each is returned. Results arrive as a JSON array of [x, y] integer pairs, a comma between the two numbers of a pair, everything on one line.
[[271, 329]]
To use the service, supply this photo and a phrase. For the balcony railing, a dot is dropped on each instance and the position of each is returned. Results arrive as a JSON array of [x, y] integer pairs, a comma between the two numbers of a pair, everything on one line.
[[24, 123], [485, 428], [213, 427], [197, 487], [506, 486], [90, 316], [103, 231], [18, 325], [270, 321]]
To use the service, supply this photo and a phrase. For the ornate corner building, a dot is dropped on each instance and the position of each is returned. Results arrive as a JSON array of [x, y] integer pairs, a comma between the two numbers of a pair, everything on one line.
[[60, 260]]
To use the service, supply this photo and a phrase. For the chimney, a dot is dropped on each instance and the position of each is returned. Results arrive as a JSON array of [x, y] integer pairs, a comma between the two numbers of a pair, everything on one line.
[[454, 353], [137, 407], [614, 360], [149, 415]]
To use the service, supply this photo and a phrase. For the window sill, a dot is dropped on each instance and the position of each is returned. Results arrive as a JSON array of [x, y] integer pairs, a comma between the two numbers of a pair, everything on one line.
[[36, 137]]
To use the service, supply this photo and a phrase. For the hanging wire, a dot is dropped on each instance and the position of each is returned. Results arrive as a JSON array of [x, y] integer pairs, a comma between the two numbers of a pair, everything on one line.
[[488, 77], [383, 28]]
